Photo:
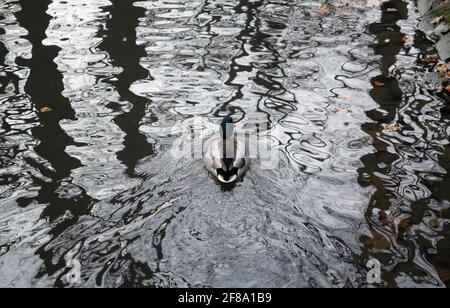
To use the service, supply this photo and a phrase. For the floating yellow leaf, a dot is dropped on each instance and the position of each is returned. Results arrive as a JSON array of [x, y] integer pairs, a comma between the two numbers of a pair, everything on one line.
[[45, 109], [432, 58], [407, 38], [448, 88], [443, 70], [339, 109], [437, 20], [391, 127], [434, 223], [403, 224], [378, 84], [324, 9]]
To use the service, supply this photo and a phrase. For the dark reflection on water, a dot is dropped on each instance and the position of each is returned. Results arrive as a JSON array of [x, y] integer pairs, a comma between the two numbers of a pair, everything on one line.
[[398, 204], [389, 97], [120, 43], [92, 195], [44, 87], [254, 40]]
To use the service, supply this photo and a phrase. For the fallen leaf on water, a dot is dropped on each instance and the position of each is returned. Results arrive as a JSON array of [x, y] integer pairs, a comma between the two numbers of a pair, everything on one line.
[[434, 223], [443, 70], [390, 127], [403, 224], [448, 88], [45, 109], [432, 58], [437, 20], [344, 98], [378, 242], [339, 109], [407, 38], [384, 219], [378, 84], [324, 9]]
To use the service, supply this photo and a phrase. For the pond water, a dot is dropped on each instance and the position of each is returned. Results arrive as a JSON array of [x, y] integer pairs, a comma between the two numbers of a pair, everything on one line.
[[94, 93]]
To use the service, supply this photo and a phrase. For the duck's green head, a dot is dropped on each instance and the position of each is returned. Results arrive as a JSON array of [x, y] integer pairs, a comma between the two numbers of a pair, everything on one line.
[[227, 127]]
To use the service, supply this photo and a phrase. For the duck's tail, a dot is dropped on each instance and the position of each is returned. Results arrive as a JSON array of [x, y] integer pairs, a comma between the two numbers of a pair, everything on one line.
[[227, 176]]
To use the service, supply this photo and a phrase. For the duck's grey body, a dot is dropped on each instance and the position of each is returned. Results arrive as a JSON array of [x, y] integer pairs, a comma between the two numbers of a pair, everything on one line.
[[225, 157]]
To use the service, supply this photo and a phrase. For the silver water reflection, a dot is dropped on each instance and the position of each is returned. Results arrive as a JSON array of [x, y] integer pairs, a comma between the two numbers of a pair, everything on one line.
[[93, 185]]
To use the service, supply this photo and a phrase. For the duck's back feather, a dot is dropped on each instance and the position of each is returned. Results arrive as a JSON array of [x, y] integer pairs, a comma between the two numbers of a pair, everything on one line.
[[223, 156]]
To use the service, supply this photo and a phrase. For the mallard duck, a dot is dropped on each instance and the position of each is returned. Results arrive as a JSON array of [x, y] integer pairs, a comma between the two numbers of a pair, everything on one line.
[[224, 155]]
